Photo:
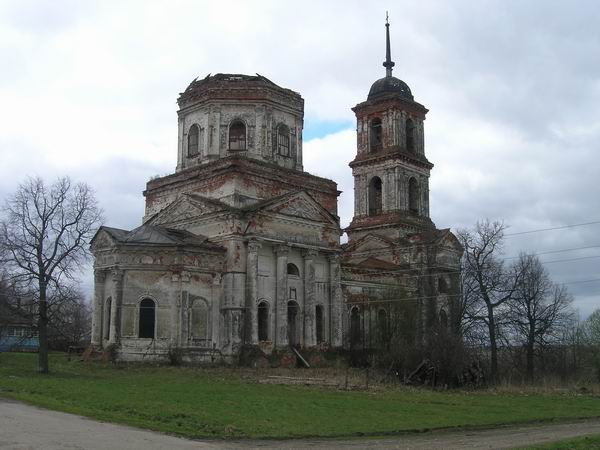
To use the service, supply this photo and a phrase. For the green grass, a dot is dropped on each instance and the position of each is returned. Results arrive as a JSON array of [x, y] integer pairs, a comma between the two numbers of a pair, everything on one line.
[[227, 403], [583, 443]]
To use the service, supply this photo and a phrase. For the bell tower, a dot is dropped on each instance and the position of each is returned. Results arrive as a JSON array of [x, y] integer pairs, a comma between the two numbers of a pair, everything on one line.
[[391, 171]]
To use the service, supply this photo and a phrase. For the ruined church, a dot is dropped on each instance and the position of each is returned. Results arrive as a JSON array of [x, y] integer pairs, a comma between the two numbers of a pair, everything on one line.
[[241, 247]]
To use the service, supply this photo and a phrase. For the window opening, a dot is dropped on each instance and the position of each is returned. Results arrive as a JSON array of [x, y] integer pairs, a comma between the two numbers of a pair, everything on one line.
[[237, 136], [193, 139], [376, 144], [375, 196], [283, 140]]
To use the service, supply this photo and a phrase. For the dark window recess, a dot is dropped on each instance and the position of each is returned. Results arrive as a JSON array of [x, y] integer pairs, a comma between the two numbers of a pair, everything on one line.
[[443, 319], [283, 140], [193, 136], [319, 323], [410, 136], [263, 321], [292, 269], [376, 142], [237, 136], [442, 286], [382, 325], [292, 316], [147, 318], [354, 328], [413, 196], [375, 197]]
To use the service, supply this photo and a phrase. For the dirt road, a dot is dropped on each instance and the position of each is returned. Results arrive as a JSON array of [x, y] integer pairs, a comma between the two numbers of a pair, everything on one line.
[[24, 427]]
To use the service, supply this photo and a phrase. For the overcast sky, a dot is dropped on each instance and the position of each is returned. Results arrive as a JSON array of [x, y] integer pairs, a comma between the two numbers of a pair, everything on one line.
[[89, 89]]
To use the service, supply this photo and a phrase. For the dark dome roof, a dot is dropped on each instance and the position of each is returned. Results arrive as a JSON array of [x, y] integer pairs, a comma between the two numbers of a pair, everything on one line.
[[390, 86]]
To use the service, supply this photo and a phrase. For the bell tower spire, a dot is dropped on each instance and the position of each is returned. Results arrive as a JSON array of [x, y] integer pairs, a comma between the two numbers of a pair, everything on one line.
[[388, 64]]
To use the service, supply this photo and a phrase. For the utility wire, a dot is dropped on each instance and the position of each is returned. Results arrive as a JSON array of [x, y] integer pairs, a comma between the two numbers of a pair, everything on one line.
[[455, 272], [553, 228], [426, 297]]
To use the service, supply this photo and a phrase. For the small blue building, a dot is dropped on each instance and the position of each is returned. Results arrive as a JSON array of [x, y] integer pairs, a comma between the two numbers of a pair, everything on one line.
[[17, 332]]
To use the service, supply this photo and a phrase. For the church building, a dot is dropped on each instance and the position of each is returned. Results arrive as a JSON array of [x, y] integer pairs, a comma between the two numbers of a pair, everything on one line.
[[241, 247]]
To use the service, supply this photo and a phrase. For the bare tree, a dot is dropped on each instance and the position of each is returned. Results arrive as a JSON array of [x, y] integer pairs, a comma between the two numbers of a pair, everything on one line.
[[538, 310], [487, 284], [44, 236], [69, 318]]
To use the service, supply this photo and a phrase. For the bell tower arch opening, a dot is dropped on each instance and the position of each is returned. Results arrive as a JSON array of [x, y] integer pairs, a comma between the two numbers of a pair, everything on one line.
[[375, 196]]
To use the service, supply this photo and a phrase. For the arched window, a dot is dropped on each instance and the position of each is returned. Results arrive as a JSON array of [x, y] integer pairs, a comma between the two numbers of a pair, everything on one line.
[[354, 327], [443, 319], [375, 143], [410, 136], [193, 139], [293, 328], [413, 196], [283, 140], [292, 269], [107, 314], [382, 326], [263, 321], [147, 319], [237, 135], [375, 197], [319, 323]]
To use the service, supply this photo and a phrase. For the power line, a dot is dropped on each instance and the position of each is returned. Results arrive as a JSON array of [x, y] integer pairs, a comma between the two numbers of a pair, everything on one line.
[[455, 272], [553, 228], [556, 251], [426, 297]]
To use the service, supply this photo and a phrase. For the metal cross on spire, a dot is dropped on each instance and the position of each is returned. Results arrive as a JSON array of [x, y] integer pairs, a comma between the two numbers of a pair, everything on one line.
[[388, 64]]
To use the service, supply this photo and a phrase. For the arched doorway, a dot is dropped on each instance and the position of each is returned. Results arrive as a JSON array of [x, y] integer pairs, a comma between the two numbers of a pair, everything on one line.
[[263, 321], [147, 319]]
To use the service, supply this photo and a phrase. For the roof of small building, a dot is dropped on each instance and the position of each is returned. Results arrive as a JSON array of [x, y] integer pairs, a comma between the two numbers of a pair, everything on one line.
[[156, 235]]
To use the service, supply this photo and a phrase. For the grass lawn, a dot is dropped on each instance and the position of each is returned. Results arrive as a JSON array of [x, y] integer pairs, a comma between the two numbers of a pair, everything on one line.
[[228, 403]]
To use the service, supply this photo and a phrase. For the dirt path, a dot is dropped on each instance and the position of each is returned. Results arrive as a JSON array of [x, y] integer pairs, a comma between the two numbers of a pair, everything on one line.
[[24, 427]]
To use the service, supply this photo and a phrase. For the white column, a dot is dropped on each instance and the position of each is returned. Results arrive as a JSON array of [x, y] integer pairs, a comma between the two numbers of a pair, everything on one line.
[[115, 306], [281, 335], [98, 307], [335, 299], [310, 338], [252, 292]]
